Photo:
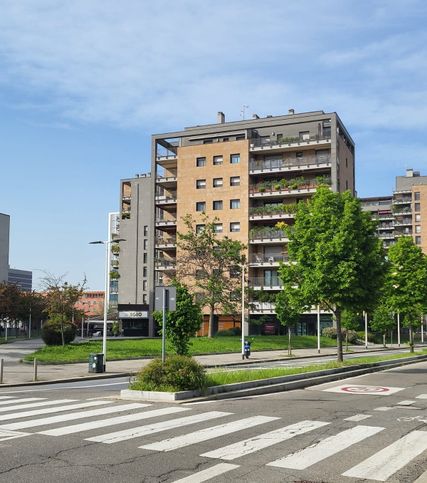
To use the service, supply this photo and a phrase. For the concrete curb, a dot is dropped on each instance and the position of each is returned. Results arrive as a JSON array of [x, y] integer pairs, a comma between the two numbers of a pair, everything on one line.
[[70, 379]]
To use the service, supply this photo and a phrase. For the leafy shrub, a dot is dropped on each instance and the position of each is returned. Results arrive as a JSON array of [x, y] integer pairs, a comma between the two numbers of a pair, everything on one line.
[[229, 332], [374, 338], [51, 332], [178, 373], [331, 332]]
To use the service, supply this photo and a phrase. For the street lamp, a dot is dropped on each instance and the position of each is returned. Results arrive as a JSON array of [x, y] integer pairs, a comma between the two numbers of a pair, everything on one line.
[[107, 243]]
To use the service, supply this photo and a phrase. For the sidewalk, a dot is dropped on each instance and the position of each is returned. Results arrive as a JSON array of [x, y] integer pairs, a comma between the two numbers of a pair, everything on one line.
[[16, 373]]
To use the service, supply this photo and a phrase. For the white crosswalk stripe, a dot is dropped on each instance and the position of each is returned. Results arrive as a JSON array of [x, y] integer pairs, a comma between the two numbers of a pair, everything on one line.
[[54, 409], [156, 428], [208, 433], [71, 416], [325, 448], [23, 400], [6, 397], [257, 443], [394, 457], [19, 407], [208, 474], [129, 418]]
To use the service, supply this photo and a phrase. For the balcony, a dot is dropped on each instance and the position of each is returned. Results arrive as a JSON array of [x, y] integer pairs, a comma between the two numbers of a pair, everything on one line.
[[267, 235], [168, 161], [260, 144], [285, 165], [262, 308], [277, 211], [385, 216], [265, 283], [165, 223], [162, 264], [167, 181], [403, 222], [165, 200], [260, 260], [166, 242], [283, 187], [386, 236]]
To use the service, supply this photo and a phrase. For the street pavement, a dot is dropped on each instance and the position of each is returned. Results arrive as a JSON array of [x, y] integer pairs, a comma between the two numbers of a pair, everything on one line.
[[369, 428], [16, 372]]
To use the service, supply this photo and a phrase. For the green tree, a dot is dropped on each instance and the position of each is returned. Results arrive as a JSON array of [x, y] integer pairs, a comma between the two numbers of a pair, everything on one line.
[[382, 319], [288, 308], [350, 320], [209, 266], [61, 298], [182, 323], [406, 283], [336, 259]]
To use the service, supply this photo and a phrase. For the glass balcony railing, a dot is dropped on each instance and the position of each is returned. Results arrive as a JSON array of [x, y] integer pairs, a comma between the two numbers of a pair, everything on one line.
[[285, 141], [286, 164], [268, 259]]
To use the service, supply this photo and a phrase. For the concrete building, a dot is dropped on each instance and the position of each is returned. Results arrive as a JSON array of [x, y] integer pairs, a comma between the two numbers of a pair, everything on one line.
[[404, 213], [91, 303], [4, 247], [250, 174], [113, 282], [22, 278]]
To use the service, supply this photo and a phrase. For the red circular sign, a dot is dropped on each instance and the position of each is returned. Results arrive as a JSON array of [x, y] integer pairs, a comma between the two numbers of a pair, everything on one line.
[[364, 389]]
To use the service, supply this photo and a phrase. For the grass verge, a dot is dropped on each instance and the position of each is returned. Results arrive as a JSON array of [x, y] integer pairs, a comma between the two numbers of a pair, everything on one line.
[[123, 349]]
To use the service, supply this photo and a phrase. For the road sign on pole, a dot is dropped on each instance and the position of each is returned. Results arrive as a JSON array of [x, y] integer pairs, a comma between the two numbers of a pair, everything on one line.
[[165, 300]]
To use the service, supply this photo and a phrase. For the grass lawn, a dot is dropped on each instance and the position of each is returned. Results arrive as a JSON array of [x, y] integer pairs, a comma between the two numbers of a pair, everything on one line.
[[121, 349]]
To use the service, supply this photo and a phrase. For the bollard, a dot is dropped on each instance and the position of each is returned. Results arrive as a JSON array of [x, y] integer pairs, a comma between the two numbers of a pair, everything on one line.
[[1, 370], [35, 370]]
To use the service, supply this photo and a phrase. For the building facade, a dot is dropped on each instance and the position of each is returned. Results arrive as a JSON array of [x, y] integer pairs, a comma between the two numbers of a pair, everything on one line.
[[22, 278], [250, 175], [4, 247], [91, 303]]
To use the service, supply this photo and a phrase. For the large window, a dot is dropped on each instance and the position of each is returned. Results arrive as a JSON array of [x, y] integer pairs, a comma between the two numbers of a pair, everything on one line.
[[235, 226], [234, 158], [417, 196], [217, 182], [217, 227], [200, 184], [235, 181], [234, 204], [200, 228], [200, 206], [217, 205], [200, 162], [217, 160]]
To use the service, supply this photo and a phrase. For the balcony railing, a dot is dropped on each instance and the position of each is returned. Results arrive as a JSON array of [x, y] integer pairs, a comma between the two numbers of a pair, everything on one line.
[[263, 307], [268, 259], [266, 283], [267, 233], [402, 201], [283, 186], [383, 216], [162, 264], [165, 200], [166, 241], [287, 164], [166, 179], [160, 222], [405, 222], [273, 210], [286, 141]]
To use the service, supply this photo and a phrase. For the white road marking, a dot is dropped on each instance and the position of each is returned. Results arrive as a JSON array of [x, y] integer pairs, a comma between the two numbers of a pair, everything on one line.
[[383, 408], [208, 433], [363, 390], [5, 397], [248, 446], [18, 407], [71, 416], [58, 409], [77, 428], [301, 460], [208, 474], [386, 462], [6, 435], [23, 400], [155, 428], [405, 403], [421, 396], [422, 478], [358, 417]]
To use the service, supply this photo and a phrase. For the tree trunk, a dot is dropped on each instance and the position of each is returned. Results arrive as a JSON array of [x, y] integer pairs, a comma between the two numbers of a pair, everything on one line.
[[289, 342], [337, 314], [62, 330], [211, 321], [411, 339], [384, 344], [346, 340]]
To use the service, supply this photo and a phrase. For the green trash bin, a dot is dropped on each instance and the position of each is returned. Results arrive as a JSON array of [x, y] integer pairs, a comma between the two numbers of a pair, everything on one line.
[[96, 362]]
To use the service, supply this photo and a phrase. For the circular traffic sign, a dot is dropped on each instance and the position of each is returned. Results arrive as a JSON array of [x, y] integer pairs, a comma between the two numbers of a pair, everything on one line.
[[365, 389]]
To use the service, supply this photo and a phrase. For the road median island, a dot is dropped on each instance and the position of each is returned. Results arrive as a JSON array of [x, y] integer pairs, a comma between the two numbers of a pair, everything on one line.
[[253, 383]]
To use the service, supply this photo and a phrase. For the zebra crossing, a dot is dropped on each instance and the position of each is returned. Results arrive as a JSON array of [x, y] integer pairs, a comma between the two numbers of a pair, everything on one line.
[[95, 420]]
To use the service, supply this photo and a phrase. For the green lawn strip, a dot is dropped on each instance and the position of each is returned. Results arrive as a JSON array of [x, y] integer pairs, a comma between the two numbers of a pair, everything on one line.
[[122, 349], [229, 377]]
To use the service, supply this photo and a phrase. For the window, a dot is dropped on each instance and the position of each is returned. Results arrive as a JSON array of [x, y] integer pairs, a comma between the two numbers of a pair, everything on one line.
[[225, 139], [217, 205], [235, 226], [207, 141], [346, 184], [304, 136], [200, 184], [145, 230], [234, 180], [144, 298], [217, 160], [417, 207], [217, 227], [200, 228], [201, 206], [235, 272], [234, 158], [217, 182], [144, 272], [239, 137], [144, 285], [417, 218], [299, 155], [200, 162], [417, 196], [145, 244], [418, 240], [144, 258], [417, 229], [346, 162], [234, 204]]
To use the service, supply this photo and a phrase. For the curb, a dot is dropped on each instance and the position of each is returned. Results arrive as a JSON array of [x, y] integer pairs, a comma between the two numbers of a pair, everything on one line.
[[71, 379]]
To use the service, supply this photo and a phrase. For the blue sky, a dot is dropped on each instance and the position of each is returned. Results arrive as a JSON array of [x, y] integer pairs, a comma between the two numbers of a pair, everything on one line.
[[83, 84]]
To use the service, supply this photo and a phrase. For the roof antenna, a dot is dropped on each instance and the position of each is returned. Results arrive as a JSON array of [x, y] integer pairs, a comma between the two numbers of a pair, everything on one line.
[[243, 111]]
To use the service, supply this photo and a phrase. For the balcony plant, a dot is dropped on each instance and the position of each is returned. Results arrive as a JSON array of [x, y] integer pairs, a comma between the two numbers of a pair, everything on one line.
[[125, 215], [114, 275]]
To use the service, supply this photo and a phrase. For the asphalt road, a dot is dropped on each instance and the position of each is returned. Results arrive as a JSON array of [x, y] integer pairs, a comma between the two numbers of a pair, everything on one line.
[[78, 432]]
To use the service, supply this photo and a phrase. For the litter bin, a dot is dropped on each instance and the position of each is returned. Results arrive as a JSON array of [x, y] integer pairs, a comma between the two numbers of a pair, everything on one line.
[[96, 362]]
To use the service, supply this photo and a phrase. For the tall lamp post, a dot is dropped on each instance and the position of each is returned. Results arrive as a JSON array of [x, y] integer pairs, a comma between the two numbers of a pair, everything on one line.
[[107, 244]]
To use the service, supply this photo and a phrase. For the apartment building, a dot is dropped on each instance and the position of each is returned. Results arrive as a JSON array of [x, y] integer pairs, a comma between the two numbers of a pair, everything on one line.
[[404, 213], [4, 247], [22, 278], [250, 174]]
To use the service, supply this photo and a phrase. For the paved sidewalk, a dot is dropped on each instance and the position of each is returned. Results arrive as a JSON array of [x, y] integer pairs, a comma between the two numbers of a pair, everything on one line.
[[20, 373]]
